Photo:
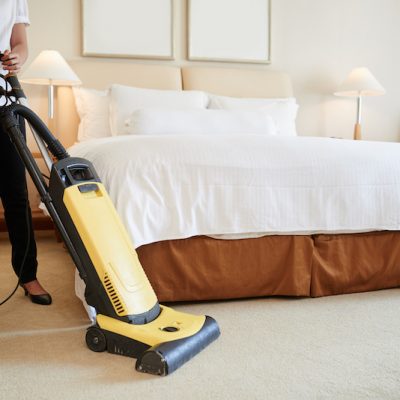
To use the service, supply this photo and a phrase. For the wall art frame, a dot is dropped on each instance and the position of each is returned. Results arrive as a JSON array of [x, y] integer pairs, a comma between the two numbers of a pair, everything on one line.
[[141, 29], [229, 31]]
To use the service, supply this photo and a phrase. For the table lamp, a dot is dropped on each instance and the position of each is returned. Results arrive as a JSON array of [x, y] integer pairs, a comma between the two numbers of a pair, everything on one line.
[[50, 68], [359, 83]]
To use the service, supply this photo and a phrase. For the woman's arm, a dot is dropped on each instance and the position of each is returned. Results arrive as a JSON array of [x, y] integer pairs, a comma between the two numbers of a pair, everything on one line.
[[13, 60]]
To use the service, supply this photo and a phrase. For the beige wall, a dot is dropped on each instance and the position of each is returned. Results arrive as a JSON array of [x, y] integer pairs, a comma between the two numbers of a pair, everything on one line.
[[317, 42]]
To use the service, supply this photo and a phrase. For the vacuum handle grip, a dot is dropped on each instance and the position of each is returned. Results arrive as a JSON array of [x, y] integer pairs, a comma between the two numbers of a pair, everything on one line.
[[13, 81], [16, 88]]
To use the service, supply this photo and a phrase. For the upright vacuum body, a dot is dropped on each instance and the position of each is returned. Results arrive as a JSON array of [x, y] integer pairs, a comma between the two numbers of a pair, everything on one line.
[[130, 321]]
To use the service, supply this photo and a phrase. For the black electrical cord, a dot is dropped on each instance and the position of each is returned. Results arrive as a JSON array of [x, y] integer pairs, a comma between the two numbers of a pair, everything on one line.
[[28, 224]]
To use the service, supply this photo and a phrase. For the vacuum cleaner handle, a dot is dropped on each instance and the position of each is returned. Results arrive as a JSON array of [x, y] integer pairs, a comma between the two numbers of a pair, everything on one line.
[[40, 131]]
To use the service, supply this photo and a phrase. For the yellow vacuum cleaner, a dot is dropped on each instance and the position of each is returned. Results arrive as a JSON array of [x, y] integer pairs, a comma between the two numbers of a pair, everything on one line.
[[130, 321]]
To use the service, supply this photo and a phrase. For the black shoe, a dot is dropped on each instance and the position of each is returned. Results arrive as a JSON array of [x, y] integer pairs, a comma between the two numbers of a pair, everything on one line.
[[43, 299]]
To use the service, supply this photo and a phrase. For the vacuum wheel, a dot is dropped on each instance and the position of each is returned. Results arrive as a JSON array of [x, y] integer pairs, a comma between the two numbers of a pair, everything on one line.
[[95, 339]]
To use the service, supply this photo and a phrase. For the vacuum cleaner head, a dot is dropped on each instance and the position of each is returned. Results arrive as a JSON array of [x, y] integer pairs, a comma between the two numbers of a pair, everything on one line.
[[163, 359], [160, 346]]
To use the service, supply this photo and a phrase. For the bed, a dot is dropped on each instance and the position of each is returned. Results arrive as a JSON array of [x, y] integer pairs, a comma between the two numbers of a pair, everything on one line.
[[243, 215]]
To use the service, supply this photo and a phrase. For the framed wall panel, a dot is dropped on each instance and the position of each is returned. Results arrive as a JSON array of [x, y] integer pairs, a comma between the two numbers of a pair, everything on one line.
[[226, 30], [128, 28]]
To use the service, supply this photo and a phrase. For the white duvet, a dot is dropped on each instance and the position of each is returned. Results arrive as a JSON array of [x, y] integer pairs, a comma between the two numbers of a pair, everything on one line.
[[178, 186]]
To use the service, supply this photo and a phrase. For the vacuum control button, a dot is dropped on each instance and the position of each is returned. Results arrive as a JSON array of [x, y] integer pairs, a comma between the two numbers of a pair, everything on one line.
[[170, 329]]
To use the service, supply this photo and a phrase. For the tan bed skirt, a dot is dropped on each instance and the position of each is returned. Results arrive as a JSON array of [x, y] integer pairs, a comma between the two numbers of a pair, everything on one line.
[[202, 268]]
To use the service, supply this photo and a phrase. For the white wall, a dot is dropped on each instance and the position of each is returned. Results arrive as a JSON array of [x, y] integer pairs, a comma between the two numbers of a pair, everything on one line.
[[317, 42]]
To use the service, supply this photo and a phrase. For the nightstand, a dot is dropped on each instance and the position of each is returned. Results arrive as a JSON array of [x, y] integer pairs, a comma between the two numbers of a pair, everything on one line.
[[39, 219]]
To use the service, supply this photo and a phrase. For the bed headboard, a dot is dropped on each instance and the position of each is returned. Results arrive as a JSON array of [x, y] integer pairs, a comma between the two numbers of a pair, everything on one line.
[[99, 74], [237, 82]]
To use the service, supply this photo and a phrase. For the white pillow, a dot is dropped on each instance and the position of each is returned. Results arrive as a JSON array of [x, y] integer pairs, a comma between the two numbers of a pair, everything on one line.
[[283, 111], [126, 99], [200, 122], [93, 110]]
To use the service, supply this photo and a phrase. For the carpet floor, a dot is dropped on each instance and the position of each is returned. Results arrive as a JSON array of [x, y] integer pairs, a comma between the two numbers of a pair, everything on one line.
[[339, 347]]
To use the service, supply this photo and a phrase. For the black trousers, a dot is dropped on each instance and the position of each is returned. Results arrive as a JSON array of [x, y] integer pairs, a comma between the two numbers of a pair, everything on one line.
[[17, 212]]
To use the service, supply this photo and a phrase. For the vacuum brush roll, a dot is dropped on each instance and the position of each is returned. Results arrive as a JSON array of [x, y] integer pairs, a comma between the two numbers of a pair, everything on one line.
[[164, 358]]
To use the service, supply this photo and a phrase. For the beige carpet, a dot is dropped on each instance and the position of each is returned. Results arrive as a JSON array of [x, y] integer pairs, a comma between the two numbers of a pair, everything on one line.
[[342, 347]]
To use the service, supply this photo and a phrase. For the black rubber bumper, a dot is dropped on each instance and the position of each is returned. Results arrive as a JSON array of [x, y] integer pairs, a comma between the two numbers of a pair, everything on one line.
[[165, 358]]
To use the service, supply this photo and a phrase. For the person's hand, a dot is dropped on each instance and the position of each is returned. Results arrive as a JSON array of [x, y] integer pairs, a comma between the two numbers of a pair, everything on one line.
[[11, 62]]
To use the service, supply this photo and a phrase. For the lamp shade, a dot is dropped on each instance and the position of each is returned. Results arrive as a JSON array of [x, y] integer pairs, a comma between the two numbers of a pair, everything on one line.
[[360, 82], [50, 68]]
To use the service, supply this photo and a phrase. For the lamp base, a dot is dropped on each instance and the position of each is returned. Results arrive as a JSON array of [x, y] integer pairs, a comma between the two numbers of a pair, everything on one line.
[[357, 132]]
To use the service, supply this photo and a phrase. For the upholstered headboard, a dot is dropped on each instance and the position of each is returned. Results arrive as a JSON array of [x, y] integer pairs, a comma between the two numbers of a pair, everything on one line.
[[223, 81], [101, 74], [237, 82]]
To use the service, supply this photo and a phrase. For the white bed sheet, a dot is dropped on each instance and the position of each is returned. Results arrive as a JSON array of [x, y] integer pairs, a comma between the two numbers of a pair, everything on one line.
[[178, 186]]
